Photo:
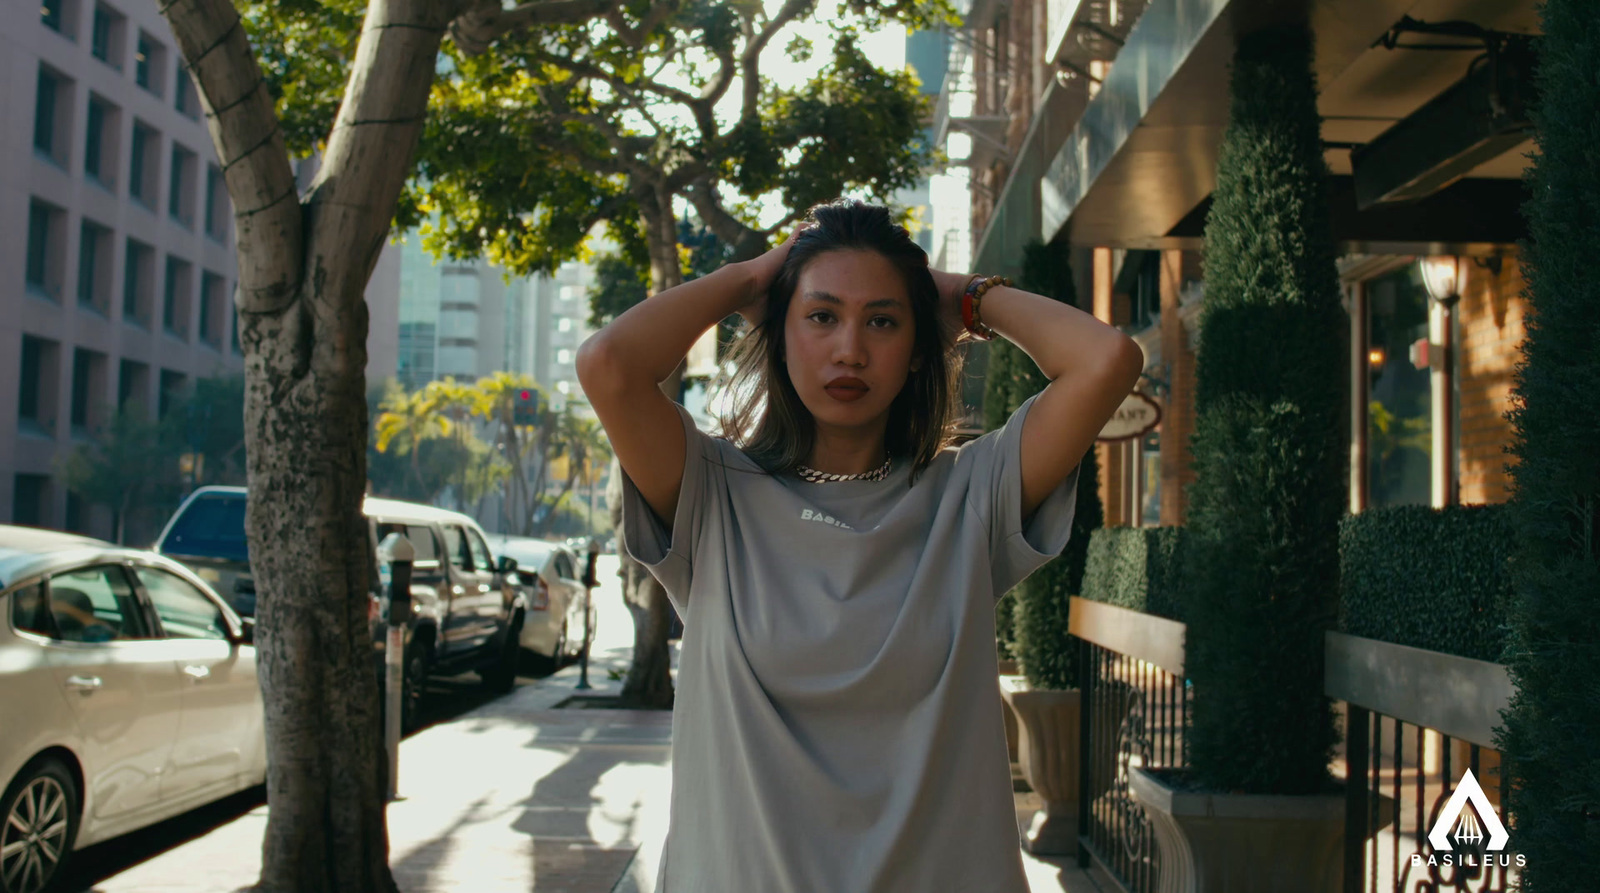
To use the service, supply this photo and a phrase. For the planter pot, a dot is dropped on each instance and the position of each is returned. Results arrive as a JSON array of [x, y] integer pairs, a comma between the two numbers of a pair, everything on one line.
[[1047, 749], [1243, 843], [1009, 715]]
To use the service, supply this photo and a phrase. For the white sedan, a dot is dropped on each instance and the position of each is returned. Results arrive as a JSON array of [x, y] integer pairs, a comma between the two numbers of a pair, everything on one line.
[[555, 626], [129, 695]]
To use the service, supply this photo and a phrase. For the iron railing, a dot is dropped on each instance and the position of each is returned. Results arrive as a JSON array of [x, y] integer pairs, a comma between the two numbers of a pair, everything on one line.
[[1417, 720], [1135, 709]]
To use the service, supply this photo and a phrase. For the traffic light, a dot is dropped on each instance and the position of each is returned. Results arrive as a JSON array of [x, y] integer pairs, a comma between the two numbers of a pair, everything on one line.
[[525, 407]]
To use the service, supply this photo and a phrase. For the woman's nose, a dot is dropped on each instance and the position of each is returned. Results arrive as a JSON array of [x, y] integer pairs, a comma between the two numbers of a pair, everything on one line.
[[849, 345]]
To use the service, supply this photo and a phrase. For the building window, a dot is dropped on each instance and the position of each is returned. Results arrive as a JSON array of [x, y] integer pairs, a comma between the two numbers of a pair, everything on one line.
[[142, 167], [88, 386], [51, 14], [175, 297], [565, 325], [28, 499], [172, 391], [77, 518], [133, 385], [52, 115], [211, 311], [94, 267], [149, 60], [100, 142], [188, 99], [138, 283], [564, 356], [60, 16], [216, 204], [46, 229], [181, 188], [1399, 393], [106, 40], [36, 394]]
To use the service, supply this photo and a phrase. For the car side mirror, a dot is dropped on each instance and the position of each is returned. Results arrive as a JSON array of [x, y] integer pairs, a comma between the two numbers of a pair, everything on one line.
[[247, 631], [507, 565]]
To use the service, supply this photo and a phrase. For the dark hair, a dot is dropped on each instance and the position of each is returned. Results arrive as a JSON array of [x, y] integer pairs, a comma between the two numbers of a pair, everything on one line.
[[921, 417]]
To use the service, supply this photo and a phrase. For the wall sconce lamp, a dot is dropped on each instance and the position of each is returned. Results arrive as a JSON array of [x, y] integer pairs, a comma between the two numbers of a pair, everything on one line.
[[1444, 276], [1375, 358]]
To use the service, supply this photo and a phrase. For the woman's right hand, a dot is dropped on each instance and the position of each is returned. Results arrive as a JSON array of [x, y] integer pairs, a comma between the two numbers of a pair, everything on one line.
[[763, 272]]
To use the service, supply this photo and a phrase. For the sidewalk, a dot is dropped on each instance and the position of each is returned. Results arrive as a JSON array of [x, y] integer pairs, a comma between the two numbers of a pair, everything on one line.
[[515, 796]]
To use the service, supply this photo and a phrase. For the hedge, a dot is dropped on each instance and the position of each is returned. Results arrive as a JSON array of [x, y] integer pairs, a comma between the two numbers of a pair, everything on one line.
[[1552, 732], [1428, 578], [1139, 568], [1269, 445]]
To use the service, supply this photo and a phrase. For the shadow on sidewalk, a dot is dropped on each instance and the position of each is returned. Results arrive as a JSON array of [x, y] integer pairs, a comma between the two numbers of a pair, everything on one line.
[[578, 827]]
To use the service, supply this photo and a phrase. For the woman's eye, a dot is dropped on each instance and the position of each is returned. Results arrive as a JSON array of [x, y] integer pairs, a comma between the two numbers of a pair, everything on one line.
[[820, 316], [889, 321]]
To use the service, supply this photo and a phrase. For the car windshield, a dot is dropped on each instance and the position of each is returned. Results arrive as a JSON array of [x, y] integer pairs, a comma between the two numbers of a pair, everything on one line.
[[529, 555], [211, 527]]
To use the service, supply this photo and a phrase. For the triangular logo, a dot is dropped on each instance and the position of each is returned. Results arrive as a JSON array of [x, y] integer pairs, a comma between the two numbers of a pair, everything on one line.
[[1468, 829]]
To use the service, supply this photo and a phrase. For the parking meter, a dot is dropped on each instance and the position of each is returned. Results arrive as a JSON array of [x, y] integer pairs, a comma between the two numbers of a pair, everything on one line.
[[589, 582], [396, 555]]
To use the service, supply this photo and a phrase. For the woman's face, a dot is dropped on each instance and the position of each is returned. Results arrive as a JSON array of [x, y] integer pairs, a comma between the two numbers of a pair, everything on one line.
[[849, 337]]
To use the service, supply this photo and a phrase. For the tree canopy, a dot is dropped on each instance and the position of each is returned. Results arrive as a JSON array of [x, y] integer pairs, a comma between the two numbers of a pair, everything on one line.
[[533, 139]]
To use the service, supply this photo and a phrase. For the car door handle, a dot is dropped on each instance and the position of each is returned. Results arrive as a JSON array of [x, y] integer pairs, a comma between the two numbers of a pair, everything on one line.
[[197, 672], [86, 684]]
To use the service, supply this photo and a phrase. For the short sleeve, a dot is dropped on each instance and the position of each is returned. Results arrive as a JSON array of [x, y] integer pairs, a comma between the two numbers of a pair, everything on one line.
[[669, 556], [1015, 550]]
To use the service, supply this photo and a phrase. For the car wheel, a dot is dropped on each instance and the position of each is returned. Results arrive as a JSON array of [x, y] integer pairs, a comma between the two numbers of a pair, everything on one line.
[[419, 663], [40, 812], [500, 675]]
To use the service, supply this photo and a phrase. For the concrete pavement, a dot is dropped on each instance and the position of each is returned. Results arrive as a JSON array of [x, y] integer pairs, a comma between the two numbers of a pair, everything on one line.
[[514, 796]]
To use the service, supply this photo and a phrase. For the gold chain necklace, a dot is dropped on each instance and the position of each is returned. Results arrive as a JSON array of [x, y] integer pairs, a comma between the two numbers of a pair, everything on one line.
[[807, 473]]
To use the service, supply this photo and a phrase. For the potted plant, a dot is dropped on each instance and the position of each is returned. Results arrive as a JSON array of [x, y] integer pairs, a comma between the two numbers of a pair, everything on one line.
[[1257, 812]]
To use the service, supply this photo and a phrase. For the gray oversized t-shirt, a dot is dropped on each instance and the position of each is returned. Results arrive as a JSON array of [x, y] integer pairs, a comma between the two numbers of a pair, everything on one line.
[[838, 725]]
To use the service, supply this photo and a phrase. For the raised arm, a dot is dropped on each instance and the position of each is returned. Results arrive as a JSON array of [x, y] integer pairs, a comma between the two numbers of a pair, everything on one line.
[[622, 366], [1091, 367]]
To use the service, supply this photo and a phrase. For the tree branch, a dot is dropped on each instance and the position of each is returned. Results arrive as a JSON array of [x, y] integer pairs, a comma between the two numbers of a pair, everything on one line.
[[747, 242], [485, 21], [373, 142], [244, 130], [634, 37], [750, 63]]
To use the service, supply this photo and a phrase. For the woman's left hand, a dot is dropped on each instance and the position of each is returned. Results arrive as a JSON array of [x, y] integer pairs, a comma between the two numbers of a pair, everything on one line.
[[951, 286]]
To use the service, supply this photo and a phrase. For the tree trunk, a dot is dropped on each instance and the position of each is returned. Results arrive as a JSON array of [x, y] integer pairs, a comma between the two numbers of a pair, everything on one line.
[[303, 268], [649, 680]]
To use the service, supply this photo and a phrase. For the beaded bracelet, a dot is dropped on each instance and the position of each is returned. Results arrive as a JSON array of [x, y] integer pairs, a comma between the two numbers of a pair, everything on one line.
[[972, 306]]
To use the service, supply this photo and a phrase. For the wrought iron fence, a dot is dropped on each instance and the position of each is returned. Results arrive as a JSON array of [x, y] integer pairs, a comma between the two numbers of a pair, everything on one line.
[[1417, 722], [1135, 709]]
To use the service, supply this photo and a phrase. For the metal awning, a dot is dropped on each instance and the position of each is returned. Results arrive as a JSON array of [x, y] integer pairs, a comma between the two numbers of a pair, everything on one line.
[[1138, 167]]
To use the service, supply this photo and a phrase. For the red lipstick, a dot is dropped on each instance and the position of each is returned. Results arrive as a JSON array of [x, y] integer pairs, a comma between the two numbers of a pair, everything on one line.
[[846, 389]]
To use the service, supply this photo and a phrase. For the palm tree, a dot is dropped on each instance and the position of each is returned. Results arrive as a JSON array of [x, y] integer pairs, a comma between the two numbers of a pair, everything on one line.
[[584, 451], [495, 400], [408, 419]]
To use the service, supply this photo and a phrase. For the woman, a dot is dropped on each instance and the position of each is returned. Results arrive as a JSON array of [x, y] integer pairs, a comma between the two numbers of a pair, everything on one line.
[[837, 725]]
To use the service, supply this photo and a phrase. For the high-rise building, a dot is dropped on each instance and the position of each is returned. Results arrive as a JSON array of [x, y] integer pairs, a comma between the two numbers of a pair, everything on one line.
[[559, 324], [464, 320], [117, 254], [115, 227]]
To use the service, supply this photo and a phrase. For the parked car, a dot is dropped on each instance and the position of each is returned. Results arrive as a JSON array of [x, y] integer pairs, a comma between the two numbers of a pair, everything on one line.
[[467, 610], [129, 692], [557, 623]]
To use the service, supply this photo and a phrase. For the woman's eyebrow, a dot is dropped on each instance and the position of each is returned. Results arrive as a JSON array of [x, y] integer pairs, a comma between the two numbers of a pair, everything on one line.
[[829, 298]]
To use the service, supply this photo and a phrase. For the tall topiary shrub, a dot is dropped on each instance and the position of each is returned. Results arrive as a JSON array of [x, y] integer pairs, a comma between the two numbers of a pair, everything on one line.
[[1550, 732], [1031, 620], [1269, 452]]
